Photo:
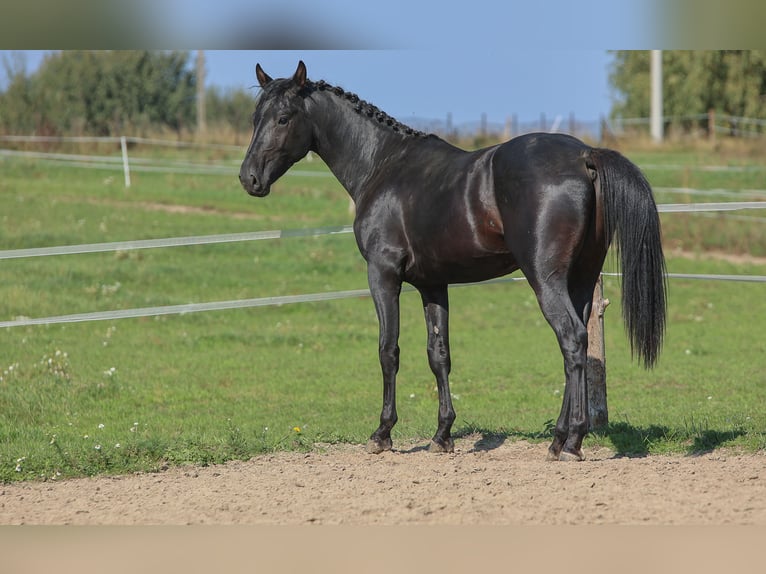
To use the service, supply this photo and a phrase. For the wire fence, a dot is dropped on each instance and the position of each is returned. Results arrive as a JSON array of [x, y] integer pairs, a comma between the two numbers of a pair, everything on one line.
[[711, 123], [286, 299], [155, 164]]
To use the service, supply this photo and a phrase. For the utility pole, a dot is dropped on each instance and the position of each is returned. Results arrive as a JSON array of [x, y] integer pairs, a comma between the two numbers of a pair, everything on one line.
[[201, 116], [656, 120]]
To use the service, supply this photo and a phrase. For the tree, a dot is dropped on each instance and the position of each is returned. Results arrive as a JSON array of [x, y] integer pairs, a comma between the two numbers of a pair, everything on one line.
[[101, 93], [732, 82], [232, 108]]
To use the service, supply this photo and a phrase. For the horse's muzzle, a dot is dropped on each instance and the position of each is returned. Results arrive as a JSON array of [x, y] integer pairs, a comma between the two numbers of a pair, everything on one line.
[[253, 186]]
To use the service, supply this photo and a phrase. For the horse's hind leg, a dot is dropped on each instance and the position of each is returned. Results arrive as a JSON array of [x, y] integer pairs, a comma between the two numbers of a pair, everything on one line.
[[436, 309], [571, 332]]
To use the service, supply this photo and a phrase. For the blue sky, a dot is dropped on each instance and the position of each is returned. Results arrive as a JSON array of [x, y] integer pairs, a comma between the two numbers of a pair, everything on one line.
[[426, 83], [431, 83]]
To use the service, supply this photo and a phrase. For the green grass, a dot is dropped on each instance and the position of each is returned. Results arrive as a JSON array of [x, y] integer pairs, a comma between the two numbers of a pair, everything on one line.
[[139, 394]]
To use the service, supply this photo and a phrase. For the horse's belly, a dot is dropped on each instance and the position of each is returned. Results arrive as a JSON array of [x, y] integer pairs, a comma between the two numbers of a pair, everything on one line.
[[445, 270]]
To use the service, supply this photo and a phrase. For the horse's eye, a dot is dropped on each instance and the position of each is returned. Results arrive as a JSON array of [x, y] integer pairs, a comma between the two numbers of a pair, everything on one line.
[[282, 121]]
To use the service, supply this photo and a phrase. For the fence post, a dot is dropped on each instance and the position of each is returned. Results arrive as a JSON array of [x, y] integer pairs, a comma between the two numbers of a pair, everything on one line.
[[595, 370], [711, 125], [125, 165]]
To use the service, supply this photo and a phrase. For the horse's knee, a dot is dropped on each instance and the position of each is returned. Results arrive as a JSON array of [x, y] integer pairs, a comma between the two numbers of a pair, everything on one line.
[[389, 357]]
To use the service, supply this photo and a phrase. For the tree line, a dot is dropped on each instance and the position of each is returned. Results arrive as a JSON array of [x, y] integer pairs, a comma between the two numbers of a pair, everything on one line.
[[113, 93], [108, 93], [731, 82]]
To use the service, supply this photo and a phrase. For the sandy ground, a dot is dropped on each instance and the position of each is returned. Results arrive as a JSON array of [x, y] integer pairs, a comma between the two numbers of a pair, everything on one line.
[[503, 484]]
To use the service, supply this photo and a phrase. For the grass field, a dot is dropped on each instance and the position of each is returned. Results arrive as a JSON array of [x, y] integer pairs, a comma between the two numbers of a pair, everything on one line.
[[138, 394]]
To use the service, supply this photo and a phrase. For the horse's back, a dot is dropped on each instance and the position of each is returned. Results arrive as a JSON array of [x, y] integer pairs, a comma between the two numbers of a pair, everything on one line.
[[541, 156]]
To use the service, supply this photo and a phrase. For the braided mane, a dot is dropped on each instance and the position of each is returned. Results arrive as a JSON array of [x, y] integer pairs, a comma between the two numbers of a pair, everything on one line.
[[364, 108]]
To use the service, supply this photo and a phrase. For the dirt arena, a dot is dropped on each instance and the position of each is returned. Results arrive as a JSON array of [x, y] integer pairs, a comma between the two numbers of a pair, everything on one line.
[[498, 484]]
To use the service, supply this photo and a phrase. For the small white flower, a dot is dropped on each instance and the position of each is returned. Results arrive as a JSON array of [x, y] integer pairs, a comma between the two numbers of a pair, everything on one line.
[[412, 395], [101, 425], [118, 445], [97, 447], [710, 398]]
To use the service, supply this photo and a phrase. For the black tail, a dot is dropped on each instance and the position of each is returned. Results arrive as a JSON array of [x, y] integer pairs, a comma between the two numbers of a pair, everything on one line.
[[631, 213]]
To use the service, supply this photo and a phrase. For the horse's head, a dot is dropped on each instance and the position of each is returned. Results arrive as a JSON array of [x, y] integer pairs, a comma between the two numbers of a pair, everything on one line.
[[281, 133]]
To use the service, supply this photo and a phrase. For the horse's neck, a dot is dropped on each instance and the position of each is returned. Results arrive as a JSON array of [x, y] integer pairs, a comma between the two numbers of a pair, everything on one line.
[[352, 145]]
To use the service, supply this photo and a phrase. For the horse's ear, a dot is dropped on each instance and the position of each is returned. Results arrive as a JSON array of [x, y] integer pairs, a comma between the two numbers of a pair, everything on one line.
[[263, 77], [299, 78]]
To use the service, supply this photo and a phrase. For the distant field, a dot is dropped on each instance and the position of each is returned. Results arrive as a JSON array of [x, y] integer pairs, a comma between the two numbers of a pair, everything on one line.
[[137, 394]]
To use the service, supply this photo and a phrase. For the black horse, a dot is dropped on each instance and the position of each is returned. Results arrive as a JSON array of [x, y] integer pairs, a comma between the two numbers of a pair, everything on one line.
[[431, 214]]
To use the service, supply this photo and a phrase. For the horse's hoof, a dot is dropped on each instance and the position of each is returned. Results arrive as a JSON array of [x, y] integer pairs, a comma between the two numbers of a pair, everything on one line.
[[437, 447], [552, 456], [565, 456], [378, 446]]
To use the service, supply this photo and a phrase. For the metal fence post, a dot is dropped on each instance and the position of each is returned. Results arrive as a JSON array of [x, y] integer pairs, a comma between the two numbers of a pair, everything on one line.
[[125, 165]]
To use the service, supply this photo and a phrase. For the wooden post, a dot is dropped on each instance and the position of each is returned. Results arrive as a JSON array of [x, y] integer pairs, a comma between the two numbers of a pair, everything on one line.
[[711, 125], [595, 371]]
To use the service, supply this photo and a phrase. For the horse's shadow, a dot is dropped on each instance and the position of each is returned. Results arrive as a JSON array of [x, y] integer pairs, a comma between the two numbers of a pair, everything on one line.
[[636, 441], [626, 439], [487, 439]]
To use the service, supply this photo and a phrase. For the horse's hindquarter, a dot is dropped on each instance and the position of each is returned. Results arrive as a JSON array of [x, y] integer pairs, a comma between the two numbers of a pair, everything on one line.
[[545, 196]]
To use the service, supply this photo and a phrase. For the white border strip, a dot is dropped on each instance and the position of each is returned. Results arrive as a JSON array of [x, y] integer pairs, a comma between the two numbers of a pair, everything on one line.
[[187, 308], [703, 207], [171, 242]]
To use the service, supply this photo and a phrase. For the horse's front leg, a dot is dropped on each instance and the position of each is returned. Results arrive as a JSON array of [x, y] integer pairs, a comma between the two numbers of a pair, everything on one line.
[[385, 286], [436, 309]]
